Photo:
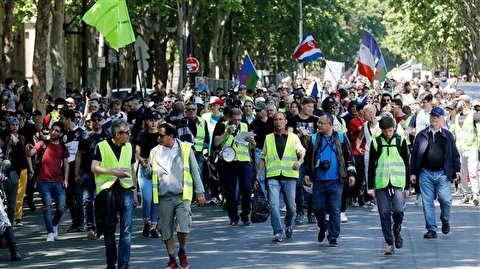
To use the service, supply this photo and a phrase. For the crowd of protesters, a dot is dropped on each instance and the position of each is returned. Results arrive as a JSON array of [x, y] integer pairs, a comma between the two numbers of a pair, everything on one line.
[[60, 153]]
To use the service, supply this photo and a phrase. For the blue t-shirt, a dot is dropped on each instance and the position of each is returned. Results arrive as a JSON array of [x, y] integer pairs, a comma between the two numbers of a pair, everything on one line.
[[328, 151]]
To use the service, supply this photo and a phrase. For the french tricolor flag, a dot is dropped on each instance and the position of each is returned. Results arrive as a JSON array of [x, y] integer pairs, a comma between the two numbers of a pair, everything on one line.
[[371, 63], [308, 50]]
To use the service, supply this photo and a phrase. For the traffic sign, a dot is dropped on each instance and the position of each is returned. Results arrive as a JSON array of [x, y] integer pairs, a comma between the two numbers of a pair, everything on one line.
[[192, 64]]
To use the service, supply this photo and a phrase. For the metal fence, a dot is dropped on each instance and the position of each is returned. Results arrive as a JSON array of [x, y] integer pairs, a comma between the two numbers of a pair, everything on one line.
[[213, 84]]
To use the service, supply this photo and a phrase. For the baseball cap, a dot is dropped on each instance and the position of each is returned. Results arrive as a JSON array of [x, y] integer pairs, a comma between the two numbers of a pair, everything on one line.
[[437, 111], [215, 100], [153, 115], [13, 120]]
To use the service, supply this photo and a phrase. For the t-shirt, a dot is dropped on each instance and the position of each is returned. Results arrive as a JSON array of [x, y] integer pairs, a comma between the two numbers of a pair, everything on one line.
[[354, 129], [298, 123], [261, 129], [146, 141], [72, 141], [87, 146], [52, 160]]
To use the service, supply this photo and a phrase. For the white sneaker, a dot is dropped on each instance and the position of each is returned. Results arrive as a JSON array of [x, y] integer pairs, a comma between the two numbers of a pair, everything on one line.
[[355, 204], [374, 208], [55, 232], [343, 217], [50, 237], [418, 201]]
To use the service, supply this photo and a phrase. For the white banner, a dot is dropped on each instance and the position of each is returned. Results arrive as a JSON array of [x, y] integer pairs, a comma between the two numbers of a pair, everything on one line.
[[334, 71]]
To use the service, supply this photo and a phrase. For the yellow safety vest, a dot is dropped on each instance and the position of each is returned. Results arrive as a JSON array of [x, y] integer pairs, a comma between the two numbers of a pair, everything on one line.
[[242, 150], [110, 161], [467, 137], [200, 138], [185, 149], [390, 165], [276, 166]]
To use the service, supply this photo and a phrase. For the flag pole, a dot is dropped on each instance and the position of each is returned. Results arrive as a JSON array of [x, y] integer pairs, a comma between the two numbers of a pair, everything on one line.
[[138, 74], [300, 37], [326, 65]]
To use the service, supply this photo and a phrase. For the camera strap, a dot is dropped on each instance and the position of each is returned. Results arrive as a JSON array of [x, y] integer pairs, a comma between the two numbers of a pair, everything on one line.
[[328, 144]]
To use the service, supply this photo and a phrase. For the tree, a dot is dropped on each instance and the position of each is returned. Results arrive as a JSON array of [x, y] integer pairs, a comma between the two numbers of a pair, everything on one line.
[[42, 30], [57, 51], [6, 43]]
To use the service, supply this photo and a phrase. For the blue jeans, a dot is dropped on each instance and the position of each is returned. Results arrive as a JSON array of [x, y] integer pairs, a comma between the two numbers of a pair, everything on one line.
[[327, 199], [390, 202], [238, 174], [125, 211], [88, 194], [257, 154], [301, 195], [432, 182], [149, 209], [49, 191], [287, 188]]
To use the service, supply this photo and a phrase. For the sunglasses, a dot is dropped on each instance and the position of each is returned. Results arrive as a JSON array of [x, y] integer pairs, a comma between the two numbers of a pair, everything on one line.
[[125, 132], [191, 109]]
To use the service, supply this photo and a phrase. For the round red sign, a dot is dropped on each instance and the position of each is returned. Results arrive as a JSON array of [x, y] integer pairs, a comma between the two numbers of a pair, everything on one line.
[[192, 64]]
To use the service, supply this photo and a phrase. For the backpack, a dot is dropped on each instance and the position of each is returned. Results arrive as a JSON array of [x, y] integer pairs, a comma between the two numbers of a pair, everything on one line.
[[183, 132], [398, 144]]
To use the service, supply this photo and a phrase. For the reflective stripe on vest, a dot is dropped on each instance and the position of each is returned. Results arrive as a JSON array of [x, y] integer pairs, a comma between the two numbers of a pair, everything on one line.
[[242, 150], [466, 135], [276, 166], [185, 150], [110, 161], [390, 165], [200, 138]]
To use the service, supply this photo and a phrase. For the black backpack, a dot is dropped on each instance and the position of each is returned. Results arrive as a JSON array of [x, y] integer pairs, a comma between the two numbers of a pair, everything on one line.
[[398, 144]]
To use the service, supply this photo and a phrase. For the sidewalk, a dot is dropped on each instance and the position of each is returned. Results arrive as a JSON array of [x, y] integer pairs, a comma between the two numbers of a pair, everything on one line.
[[213, 244]]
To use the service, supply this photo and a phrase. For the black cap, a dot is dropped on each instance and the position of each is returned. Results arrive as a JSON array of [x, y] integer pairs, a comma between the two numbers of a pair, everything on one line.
[[153, 115]]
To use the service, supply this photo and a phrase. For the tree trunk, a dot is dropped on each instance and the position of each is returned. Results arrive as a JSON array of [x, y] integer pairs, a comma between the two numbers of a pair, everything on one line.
[[7, 43], [42, 29], [94, 71], [57, 50], [216, 57]]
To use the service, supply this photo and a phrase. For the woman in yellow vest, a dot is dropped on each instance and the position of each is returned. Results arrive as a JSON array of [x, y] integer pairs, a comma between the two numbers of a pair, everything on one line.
[[388, 180]]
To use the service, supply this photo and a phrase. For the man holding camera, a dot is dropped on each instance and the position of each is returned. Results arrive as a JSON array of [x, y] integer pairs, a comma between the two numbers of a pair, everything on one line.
[[238, 170], [328, 163]]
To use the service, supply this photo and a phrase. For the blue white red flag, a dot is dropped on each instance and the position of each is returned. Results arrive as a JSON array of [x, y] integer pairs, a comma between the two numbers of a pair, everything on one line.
[[371, 63], [308, 50]]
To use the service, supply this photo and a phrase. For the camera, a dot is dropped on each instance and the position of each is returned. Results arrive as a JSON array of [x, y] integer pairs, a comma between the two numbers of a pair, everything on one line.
[[324, 165]]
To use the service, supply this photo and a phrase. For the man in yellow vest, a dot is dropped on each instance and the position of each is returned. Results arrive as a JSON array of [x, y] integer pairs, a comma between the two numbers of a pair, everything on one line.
[[282, 157], [115, 181], [239, 171], [466, 130], [174, 172], [388, 180]]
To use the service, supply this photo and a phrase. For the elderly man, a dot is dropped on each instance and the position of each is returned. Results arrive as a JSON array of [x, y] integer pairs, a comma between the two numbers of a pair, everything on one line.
[[435, 161]]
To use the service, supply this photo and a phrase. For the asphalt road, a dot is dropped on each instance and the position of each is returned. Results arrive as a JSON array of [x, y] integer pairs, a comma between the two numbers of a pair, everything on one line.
[[213, 244]]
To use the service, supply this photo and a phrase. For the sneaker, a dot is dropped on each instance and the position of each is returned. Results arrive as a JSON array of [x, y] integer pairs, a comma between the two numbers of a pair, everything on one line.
[[277, 237], [465, 199], [389, 250], [299, 218], [475, 200], [146, 229], [74, 229], [246, 223], [398, 240], [215, 201], [355, 204], [183, 261], [154, 233], [311, 218], [343, 217], [332, 242], [430, 234], [374, 208], [91, 234], [18, 223], [55, 231], [50, 237], [418, 200], [445, 227], [321, 236], [233, 223], [289, 232], [369, 203], [172, 265]]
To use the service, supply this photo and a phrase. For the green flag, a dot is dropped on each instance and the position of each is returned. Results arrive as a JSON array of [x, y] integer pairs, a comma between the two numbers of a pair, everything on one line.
[[110, 17]]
